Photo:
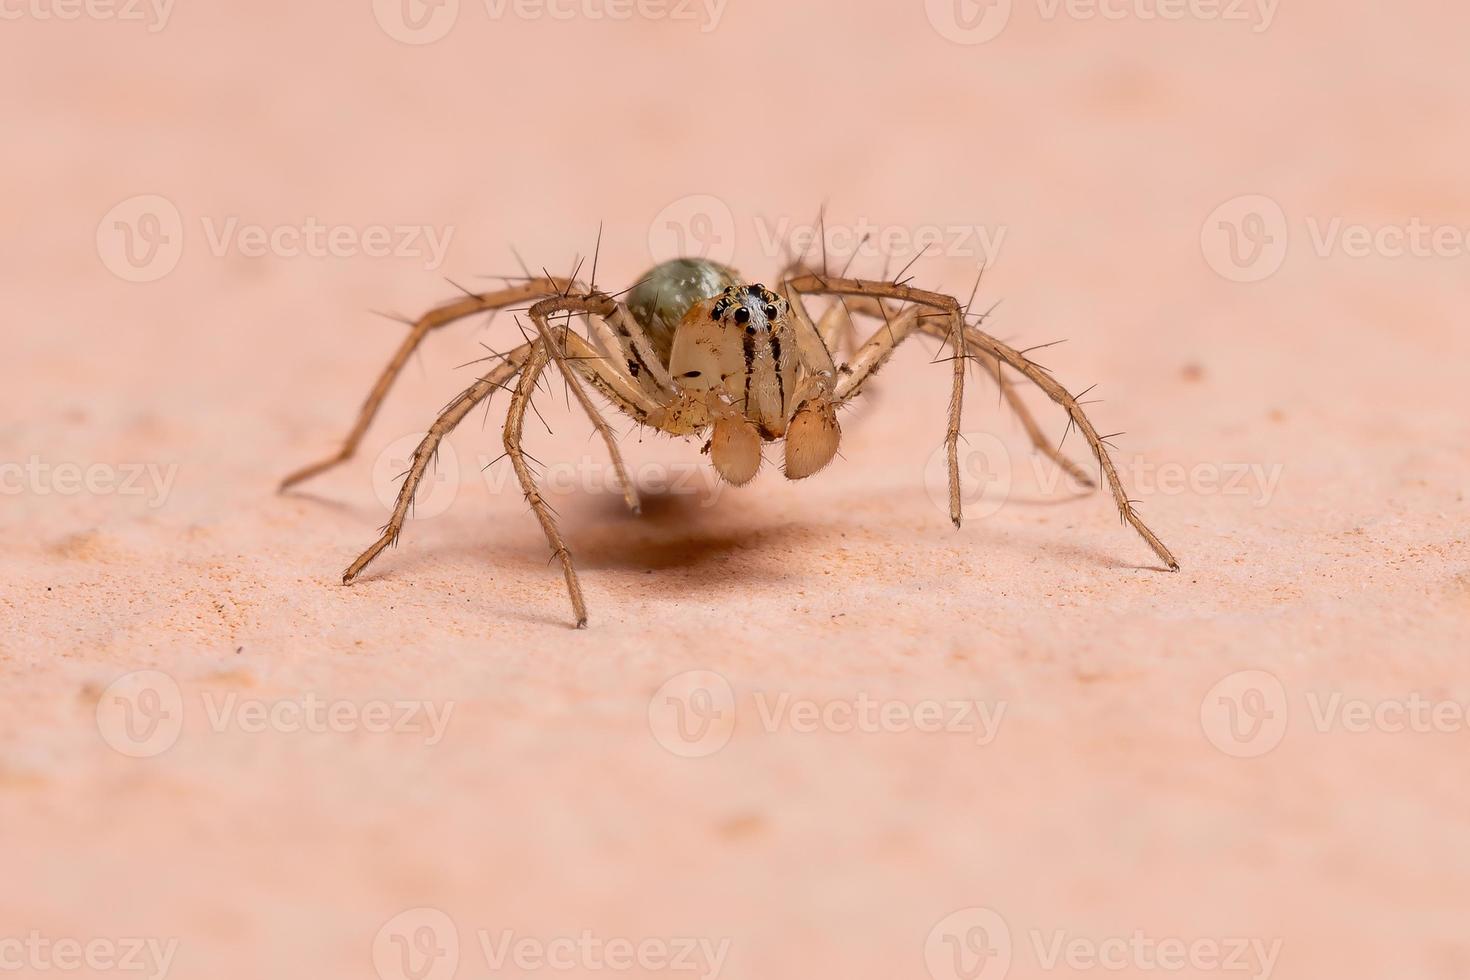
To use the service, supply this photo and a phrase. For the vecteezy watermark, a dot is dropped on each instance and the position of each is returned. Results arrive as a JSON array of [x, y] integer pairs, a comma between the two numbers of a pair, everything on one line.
[[142, 239], [35, 953], [424, 944], [865, 238], [1245, 714], [437, 489], [1247, 239], [445, 475], [142, 715], [313, 715], [38, 478], [863, 713], [978, 21], [152, 14], [970, 944], [977, 944], [1248, 713], [426, 21], [695, 226], [417, 944], [1139, 952], [989, 472], [703, 226], [694, 714]]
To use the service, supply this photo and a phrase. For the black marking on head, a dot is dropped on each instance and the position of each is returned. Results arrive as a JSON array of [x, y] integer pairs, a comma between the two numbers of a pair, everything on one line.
[[757, 291], [749, 366], [776, 357]]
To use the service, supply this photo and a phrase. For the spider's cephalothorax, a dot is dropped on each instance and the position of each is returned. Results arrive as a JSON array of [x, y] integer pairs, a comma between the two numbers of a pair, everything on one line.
[[695, 351], [734, 353]]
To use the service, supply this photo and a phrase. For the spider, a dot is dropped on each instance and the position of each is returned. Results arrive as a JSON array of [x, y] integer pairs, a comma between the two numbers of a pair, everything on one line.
[[695, 351]]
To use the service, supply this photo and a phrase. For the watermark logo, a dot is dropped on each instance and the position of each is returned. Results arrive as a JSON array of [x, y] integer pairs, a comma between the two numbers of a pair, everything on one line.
[[416, 21], [141, 239], [703, 226], [153, 14], [972, 22], [706, 13], [1140, 953], [1246, 238], [989, 473], [985, 476], [1245, 715], [445, 475], [693, 714], [417, 944], [969, 21], [311, 714], [868, 239], [587, 952], [39, 478], [436, 491], [970, 944], [977, 944], [424, 944], [697, 226], [141, 714], [151, 957], [420, 22]]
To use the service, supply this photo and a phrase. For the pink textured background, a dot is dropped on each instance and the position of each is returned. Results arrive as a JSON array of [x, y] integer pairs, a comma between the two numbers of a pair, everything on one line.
[[550, 808]]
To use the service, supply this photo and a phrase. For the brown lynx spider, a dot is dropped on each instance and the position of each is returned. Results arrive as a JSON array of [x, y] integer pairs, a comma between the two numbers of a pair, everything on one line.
[[697, 352]]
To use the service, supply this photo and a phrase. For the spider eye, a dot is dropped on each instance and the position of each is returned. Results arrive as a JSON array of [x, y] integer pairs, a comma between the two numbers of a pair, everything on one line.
[[742, 315], [770, 313]]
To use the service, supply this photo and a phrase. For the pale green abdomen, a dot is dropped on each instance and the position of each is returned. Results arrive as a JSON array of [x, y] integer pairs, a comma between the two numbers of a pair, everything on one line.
[[667, 291]]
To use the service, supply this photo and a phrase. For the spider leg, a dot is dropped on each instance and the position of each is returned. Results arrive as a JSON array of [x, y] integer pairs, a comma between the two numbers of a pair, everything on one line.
[[839, 315], [873, 354], [440, 316], [443, 425], [556, 344], [991, 368], [877, 350], [838, 330], [514, 424], [629, 373]]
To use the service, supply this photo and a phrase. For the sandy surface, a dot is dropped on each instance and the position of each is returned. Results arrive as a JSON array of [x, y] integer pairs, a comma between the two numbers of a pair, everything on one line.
[[1266, 749]]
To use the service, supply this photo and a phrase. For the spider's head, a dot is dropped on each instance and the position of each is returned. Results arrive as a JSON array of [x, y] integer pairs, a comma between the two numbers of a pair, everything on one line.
[[753, 310], [738, 331], [737, 352]]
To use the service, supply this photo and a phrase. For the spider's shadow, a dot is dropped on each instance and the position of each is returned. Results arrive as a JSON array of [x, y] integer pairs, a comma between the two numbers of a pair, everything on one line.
[[673, 531]]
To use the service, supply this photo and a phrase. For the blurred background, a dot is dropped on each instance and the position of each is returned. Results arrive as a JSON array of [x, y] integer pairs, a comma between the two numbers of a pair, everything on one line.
[[813, 731]]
